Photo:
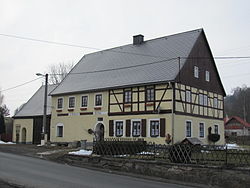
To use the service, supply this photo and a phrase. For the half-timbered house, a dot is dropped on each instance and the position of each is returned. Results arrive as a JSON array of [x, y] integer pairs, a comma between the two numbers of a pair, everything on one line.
[[162, 90]]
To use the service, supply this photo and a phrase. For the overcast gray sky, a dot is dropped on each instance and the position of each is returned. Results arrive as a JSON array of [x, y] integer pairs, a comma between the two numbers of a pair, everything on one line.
[[105, 24]]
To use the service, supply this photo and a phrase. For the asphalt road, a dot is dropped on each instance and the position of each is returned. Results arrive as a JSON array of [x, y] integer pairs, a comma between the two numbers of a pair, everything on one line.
[[37, 173]]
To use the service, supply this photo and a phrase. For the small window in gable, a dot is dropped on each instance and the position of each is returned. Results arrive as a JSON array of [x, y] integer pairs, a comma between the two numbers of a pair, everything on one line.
[[196, 72], [207, 75]]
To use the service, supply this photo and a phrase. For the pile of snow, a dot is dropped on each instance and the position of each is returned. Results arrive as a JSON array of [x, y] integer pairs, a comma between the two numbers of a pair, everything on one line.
[[81, 152], [233, 146], [2, 142]]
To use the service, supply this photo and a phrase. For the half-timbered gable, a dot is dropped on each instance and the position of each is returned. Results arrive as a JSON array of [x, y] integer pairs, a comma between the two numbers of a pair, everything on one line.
[[162, 90], [198, 102]]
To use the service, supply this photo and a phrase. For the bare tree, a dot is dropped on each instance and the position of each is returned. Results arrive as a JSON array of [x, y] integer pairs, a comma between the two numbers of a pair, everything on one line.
[[58, 72], [3, 108]]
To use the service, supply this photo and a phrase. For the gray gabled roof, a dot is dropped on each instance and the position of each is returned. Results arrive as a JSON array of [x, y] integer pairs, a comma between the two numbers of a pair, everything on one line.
[[150, 62], [34, 106]]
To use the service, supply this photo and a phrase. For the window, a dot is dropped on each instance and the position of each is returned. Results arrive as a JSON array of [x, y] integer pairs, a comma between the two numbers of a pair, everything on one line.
[[154, 128], [127, 96], [119, 128], [216, 129], [71, 102], [201, 99], [207, 75], [215, 103], [59, 103], [136, 129], [205, 100], [84, 101], [59, 130], [98, 100], [188, 96], [150, 94], [196, 72], [188, 128], [201, 130], [234, 133]]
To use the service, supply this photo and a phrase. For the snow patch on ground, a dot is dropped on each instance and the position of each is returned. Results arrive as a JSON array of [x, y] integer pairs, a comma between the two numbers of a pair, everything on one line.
[[81, 152], [233, 146], [2, 142]]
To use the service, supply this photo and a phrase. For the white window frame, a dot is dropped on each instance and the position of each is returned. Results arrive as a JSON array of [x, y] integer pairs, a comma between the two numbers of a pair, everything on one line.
[[218, 129], [132, 122], [188, 96], [74, 102], [123, 128], [207, 76], [203, 130], [101, 100], [62, 103], [186, 129], [196, 72], [87, 101], [154, 136], [57, 132]]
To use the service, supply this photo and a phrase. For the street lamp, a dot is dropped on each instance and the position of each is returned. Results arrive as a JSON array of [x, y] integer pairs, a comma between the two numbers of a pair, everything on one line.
[[44, 136]]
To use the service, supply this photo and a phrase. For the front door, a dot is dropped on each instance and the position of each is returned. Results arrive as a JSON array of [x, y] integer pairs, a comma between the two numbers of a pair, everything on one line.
[[99, 132]]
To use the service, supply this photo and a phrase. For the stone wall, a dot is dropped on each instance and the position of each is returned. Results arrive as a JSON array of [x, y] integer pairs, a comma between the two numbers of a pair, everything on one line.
[[206, 175]]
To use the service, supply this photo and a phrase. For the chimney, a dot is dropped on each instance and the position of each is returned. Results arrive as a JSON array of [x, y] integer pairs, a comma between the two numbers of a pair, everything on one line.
[[138, 39]]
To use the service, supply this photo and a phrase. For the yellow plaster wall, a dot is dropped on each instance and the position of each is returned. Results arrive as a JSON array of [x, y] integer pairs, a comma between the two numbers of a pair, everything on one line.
[[23, 123], [180, 128]]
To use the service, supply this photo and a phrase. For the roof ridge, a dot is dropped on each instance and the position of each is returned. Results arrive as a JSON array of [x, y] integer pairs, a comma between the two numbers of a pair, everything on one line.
[[112, 49]]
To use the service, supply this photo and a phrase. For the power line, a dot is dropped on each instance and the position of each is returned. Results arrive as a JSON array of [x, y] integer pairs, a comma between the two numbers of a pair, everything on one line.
[[111, 50], [25, 83], [127, 67], [47, 41]]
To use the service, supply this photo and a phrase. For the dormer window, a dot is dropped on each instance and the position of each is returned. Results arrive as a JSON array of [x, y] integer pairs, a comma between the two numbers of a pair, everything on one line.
[[207, 76], [196, 72]]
